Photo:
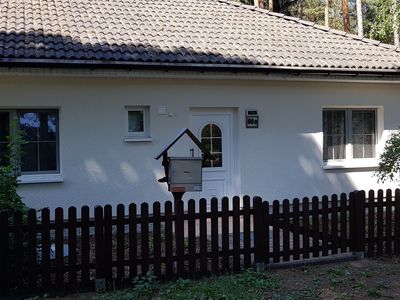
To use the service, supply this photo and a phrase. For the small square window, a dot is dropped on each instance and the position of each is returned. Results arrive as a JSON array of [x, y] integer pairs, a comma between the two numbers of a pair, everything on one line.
[[138, 125]]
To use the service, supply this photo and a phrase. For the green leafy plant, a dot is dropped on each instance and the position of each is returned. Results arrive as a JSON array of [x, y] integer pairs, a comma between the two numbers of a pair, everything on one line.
[[144, 286], [389, 160], [10, 164]]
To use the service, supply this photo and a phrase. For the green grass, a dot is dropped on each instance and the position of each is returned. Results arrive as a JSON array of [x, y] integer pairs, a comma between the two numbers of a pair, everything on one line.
[[248, 285]]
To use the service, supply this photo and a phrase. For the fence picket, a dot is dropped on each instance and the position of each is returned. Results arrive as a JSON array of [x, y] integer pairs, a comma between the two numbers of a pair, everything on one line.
[[325, 226], [334, 224], [179, 238], [120, 243], [72, 255], [4, 254], [371, 223], [236, 234], [343, 223], [45, 232], [388, 219], [276, 244], [267, 222], [397, 222], [246, 232], [132, 241], [85, 248], [169, 264], [259, 232], [306, 227], [296, 229], [192, 237], [144, 235], [285, 233], [19, 253], [315, 226], [59, 247], [99, 242], [108, 244], [157, 239], [225, 234], [379, 224]]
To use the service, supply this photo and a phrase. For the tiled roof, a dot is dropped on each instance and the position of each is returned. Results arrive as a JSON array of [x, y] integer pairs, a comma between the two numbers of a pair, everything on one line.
[[179, 32]]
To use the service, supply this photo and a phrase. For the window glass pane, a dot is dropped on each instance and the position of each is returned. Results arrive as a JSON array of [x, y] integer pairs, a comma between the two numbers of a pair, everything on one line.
[[48, 156], [29, 123], [206, 132], [211, 138], [47, 126], [363, 138], [206, 143], [334, 134], [136, 121], [216, 131], [4, 126], [29, 157], [216, 145], [338, 122]]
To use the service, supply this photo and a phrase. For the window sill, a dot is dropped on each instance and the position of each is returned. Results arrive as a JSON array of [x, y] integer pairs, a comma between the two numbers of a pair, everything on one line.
[[40, 178], [362, 164], [129, 139]]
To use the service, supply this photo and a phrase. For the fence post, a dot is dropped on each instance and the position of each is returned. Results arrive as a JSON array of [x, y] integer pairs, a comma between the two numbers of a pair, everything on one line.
[[357, 223], [100, 281], [259, 235], [4, 252]]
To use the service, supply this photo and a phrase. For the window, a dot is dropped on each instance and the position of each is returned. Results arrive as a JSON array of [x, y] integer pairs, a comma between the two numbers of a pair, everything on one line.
[[349, 134], [138, 122], [40, 154], [211, 138]]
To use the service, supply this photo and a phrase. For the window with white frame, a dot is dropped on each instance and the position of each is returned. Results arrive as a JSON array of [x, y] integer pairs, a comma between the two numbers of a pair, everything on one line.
[[349, 133], [138, 121], [40, 153]]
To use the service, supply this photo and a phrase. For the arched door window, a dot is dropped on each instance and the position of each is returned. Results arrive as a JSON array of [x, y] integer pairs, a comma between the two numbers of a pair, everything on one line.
[[211, 138]]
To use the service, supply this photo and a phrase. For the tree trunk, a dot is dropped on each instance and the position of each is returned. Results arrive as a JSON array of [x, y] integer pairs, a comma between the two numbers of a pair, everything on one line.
[[395, 24], [271, 5], [346, 17], [300, 4], [360, 18], [259, 3], [327, 13]]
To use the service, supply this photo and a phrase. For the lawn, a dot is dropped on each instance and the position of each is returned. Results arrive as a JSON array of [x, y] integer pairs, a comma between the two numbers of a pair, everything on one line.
[[364, 279]]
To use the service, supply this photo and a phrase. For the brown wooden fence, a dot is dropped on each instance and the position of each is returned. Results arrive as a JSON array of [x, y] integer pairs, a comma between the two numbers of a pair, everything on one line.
[[38, 254]]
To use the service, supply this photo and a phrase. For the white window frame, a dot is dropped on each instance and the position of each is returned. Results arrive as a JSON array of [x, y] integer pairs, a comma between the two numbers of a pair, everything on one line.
[[143, 136], [349, 162], [46, 176]]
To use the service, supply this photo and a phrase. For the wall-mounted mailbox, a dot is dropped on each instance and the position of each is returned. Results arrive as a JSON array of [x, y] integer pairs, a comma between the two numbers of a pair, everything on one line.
[[252, 118], [185, 174]]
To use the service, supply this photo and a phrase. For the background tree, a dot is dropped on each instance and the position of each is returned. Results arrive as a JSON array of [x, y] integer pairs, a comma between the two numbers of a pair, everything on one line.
[[389, 160]]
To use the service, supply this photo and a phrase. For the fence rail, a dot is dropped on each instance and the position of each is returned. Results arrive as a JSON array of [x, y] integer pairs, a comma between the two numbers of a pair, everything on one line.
[[38, 254]]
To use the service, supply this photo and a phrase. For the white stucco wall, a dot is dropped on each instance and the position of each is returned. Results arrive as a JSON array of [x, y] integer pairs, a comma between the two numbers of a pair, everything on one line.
[[281, 159]]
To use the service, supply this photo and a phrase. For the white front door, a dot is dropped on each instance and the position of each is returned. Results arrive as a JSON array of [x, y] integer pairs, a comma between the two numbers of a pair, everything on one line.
[[214, 130]]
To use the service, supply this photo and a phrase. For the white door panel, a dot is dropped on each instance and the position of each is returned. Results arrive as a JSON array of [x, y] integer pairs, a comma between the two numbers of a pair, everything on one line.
[[214, 129]]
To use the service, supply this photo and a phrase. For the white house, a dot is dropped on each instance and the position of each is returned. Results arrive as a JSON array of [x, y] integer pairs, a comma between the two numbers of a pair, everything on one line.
[[101, 86]]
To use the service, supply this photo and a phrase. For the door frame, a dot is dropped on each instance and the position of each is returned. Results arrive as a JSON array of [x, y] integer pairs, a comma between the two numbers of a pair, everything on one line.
[[232, 112]]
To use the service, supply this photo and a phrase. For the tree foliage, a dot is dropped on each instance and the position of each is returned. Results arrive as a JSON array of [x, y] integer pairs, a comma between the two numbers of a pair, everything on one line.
[[389, 160], [10, 200], [377, 15]]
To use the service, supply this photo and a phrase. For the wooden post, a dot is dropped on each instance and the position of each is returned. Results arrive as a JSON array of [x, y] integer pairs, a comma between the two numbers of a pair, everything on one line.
[[4, 252], [259, 235], [99, 249], [357, 223]]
